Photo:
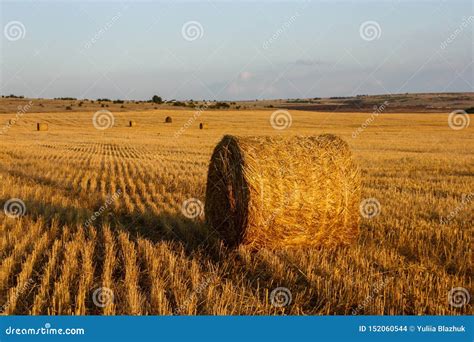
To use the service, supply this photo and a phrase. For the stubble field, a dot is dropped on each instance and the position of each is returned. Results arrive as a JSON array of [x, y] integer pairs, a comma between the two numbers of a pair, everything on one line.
[[142, 255]]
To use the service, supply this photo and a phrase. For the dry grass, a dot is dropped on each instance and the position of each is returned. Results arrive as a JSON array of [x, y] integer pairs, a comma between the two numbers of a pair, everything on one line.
[[157, 261], [279, 192]]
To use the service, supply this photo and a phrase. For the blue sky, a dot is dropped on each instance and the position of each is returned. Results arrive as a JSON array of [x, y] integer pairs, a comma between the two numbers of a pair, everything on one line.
[[242, 50]]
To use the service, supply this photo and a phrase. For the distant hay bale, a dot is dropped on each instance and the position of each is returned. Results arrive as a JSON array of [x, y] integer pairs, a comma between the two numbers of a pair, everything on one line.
[[202, 125], [132, 123], [41, 127], [277, 192], [168, 119]]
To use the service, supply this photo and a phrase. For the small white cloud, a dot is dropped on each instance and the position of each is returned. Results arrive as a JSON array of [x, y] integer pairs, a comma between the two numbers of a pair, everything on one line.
[[245, 75]]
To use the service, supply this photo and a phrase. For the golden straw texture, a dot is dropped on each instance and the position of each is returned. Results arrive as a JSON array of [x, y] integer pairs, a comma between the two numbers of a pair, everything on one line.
[[283, 191], [41, 127]]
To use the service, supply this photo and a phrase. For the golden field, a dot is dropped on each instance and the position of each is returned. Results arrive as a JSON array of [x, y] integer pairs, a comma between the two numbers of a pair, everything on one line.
[[152, 259]]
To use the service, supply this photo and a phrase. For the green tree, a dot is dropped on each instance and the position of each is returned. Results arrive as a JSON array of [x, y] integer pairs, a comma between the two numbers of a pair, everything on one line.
[[157, 99]]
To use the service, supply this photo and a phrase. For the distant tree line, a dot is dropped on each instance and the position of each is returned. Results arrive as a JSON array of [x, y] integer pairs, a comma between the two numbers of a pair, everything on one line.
[[11, 96]]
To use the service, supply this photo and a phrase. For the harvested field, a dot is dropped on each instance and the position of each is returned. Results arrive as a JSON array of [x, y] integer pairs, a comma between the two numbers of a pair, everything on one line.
[[103, 229]]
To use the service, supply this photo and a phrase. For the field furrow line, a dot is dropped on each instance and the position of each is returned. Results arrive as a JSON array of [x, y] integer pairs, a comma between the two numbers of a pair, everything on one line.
[[62, 302], [25, 280], [11, 263], [109, 265], [133, 300], [50, 272], [155, 288], [86, 274]]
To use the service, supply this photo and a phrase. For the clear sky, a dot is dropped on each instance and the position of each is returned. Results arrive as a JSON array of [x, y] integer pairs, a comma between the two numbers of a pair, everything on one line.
[[234, 50]]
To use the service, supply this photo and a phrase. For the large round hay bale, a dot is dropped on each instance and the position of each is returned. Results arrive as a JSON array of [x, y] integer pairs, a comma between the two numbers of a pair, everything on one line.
[[41, 127], [202, 125], [277, 192], [168, 119], [132, 123]]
